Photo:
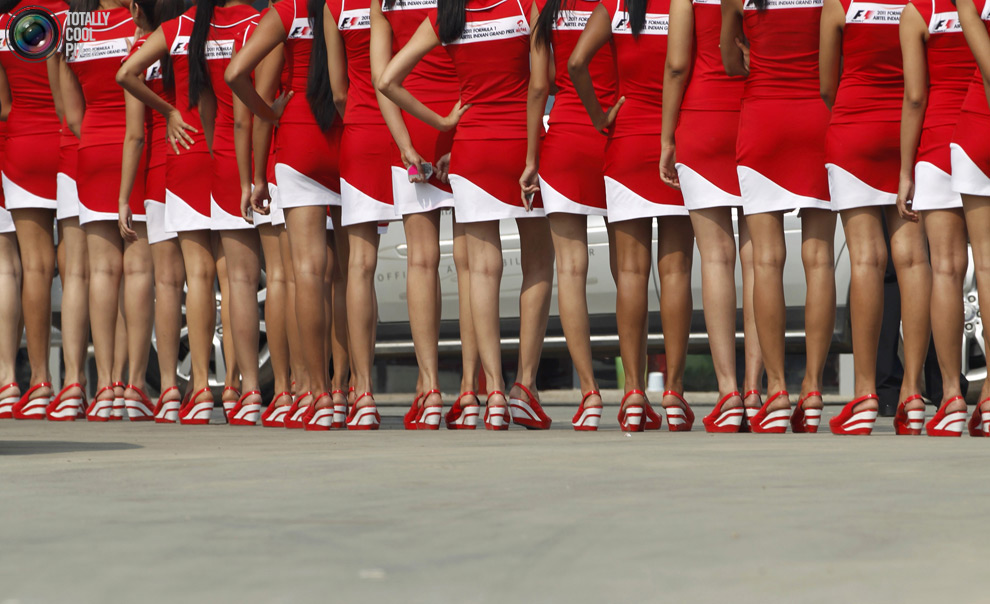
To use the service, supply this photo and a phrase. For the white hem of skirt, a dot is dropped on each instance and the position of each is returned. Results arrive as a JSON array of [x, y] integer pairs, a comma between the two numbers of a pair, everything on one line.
[[933, 189], [180, 217], [849, 192], [967, 177], [6, 222], [222, 220], [298, 190], [474, 204], [702, 194], [417, 197], [761, 195], [359, 207], [67, 197], [625, 204], [19, 198], [556, 202]]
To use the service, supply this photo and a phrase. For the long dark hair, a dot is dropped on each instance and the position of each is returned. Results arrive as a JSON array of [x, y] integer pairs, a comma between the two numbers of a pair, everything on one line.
[[636, 9], [199, 75], [318, 91], [546, 21], [79, 6], [451, 19], [763, 4], [158, 12]]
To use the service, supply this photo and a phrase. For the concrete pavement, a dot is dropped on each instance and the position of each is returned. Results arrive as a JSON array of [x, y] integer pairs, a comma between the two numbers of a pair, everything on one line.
[[143, 513]]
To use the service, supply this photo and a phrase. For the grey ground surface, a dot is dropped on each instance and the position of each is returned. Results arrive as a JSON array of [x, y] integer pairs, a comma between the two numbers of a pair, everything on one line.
[[141, 513]]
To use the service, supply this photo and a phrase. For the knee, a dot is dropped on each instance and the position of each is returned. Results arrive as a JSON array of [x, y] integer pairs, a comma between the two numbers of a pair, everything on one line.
[[425, 260], [488, 268], [718, 254], [817, 256], [951, 265], [770, 257], [201, 272], [572, 266], [309, 267], [871, 258], [361, 265]]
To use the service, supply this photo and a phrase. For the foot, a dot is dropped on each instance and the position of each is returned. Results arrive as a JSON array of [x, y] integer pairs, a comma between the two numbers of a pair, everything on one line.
[[322, 418], [324, 402], [9, 395], [812, 399], [497, 415], [525, 408], [119, 404], [432, 411]]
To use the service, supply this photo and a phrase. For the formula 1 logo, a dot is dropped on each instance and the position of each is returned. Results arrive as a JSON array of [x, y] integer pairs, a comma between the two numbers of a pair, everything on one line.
[[300, 30], [180, 46], [945, 23]]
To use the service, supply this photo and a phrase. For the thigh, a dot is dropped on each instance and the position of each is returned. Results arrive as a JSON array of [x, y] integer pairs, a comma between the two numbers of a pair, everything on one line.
[[766, 232], [863, 228], [535, 243], [104, 243], [818, 225], [632, 245], [946, 231], [676, 239]]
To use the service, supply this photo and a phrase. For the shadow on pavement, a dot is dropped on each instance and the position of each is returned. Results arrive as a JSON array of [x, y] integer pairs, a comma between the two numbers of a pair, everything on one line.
[[40, 447]]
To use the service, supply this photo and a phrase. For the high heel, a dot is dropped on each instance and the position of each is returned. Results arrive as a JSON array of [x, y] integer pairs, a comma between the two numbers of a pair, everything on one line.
[[497, 417], [947, 424], [99, 410], [274, 415], [749, 412], [229, 406], [854, 423], [410, 420], [363, 418], [587, 419], [463, 417], [197, 412], [806, 421], [909, 423], [32, 408], [979, 424], [64, 408], [339, 410], [679, 418], [771, 422], [429, 419], [322, 419], [528, 413], [119, 408], [245, 414], [140, 409], [724, 421], [638, 417], [298, 415], [167, 412], [7, 401]]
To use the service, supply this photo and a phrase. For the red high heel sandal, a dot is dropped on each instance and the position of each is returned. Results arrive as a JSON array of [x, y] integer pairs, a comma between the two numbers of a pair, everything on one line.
[[854, 423], [299, 415], [771, 422], [947, 424], [274, 415], [639, 416], [167, 412], [99, 410], [410, 421], [64, 408], [7, 401], [245, 414], [196, 412], [229, 406], [679, 418], [429, 419], [587, 419], [339, 410], [32, 408], [806, 421], [979, 424], [724, 421], [909, 423], [363, 418], [528, 413], [497, 417], [750, 412], [463, 417], [322, 419], [140, 409]]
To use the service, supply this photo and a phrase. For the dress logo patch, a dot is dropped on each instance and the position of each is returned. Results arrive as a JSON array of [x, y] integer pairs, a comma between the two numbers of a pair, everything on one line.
[[354, 19], [505, 28], [91, 51], [870, 12], [410, 5], [219, 49], [299, 29], [572, 20], [784, 4], [655, 24], [945, 23]]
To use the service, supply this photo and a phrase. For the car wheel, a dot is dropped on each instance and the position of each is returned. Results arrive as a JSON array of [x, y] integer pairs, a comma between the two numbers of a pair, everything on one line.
[[974, 348]]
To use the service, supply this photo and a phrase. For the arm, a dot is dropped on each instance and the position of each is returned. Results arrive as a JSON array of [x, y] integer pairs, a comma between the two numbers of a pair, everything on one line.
[[680, 46], [913, 34], [131, 78], [5, 98], [73, 103], [263, 41], [735, 51], [597, 32], [336, 60], [830, 50], [977, 37], [133, 146], [401, 65], [539, 89], [52, 66], [242, 147], [266, 82]]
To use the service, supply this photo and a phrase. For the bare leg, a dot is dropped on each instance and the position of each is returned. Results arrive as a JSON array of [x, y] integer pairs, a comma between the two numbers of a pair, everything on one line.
[[675, 252], [242, 251], [633, 262], [73, 268], [470, 361], [275, 301], [297, 365], [909, 251], [537, 256], [106, 257], [362, 304], [946, 231], [232, 377], [307, 238], [197, 255], [139, 305], [484, 247], [341, 354], [769, 254], [818, 256], [37, 245], [170, 276], [753, 372], [423, 297], [10, 310]]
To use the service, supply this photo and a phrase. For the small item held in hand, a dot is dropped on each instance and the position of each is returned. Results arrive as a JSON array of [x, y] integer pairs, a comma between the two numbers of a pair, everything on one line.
[[414, 171]]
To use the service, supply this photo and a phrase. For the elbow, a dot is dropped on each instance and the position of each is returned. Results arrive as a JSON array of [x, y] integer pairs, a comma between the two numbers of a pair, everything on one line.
[[539, 91], [575, 66], [136, 140], [915, 102], [340, 99], [384, 85], [676, 71], [734, 70], [122, 76], [232, 74]]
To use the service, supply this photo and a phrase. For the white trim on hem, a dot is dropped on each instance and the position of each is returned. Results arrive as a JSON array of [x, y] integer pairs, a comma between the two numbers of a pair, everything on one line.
[[849, 192], [933, 189], [761, 195], [556, 202], [625, 204], [967, 177], [474, 204]]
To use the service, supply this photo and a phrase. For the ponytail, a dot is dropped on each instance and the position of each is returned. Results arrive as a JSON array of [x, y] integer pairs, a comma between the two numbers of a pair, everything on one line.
[[318, 91], [763, 4], [545, 22], [451, 19], [158, 12], [199, 76], [636, 9]]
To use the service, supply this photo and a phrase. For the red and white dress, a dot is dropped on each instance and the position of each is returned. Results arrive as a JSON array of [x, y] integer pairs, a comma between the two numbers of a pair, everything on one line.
[[709, 119], [862, 149], [572, 155], [6, 220], [950, 70], [29, 179], [971, 141], [491, 59], [67, 193], [156, 148], [307, 175], [434, 82], [633, 187], [229, 29], [366, 145], [781, 148], [95, 64], [187, 183]]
